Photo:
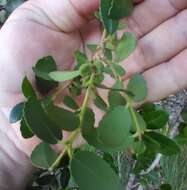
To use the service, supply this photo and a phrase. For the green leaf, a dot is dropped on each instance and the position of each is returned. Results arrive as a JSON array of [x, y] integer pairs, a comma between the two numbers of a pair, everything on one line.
[[126, 45], [85, 70], [25, 130], [92, 47], [61, 76], [138, 87], [111, 161], [151, 143], [88, 123], [120, 9], [70, 102], [108, 70], [183, 129], [16, 113], [64, 119], [95, 173], [80, 59], [44, 66], [11, 5], [64, 177], [138, 147], [90, 134], [39, 122], [110, 25], [43, 156], [108, 54], [45, 86], [148, 107], [42, 69], [118, 69], [114, 96], [113, 130], [141, 122], [168, 147], [100, 103], [156, 119], [27, 88], [180, 139], [165, 187], [144, 161], [184, 115]]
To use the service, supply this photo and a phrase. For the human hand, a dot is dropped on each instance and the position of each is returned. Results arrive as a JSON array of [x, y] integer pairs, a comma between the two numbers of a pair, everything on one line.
[[36, 29]]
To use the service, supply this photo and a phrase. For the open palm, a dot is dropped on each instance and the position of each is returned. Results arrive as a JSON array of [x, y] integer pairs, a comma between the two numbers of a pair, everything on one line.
[[43, 27]]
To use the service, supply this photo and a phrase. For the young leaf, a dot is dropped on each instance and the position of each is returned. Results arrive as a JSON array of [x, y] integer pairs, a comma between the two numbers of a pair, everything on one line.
[[70, 102], [80, 59], [43, 156], [39, 122], [100, 103], [113, 130], [16, 113], [138, 87], [27, 88], [61, 76], [168, 147], [138, 147], [64, 119], [25, 130], [156, 119], [120, 9], [95, 173], [118, 69], [44, 66], [125, 46], [92, 47], [110, 25], [108, 54], [85, 70], [114, 96]]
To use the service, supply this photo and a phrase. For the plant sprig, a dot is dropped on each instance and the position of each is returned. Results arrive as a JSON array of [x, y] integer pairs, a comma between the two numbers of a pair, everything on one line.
[[122, 127]]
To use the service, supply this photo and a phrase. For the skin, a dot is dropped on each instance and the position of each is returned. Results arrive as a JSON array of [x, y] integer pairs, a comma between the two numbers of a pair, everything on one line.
[[40, 28]]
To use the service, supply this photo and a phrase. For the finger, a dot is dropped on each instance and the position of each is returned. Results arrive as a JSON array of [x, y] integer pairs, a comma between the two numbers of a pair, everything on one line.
[[150, 13], [66, 15], [167, 78], [160, 45]]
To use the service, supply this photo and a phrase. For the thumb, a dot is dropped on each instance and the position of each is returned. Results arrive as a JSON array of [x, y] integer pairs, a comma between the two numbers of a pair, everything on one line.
[[68, 15]]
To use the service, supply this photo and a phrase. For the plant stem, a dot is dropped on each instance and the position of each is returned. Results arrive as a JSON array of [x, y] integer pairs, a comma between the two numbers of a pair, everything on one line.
[[72, 137], [57, 161], [86, 99], [131, 109], [133, 114], [68, 143]]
